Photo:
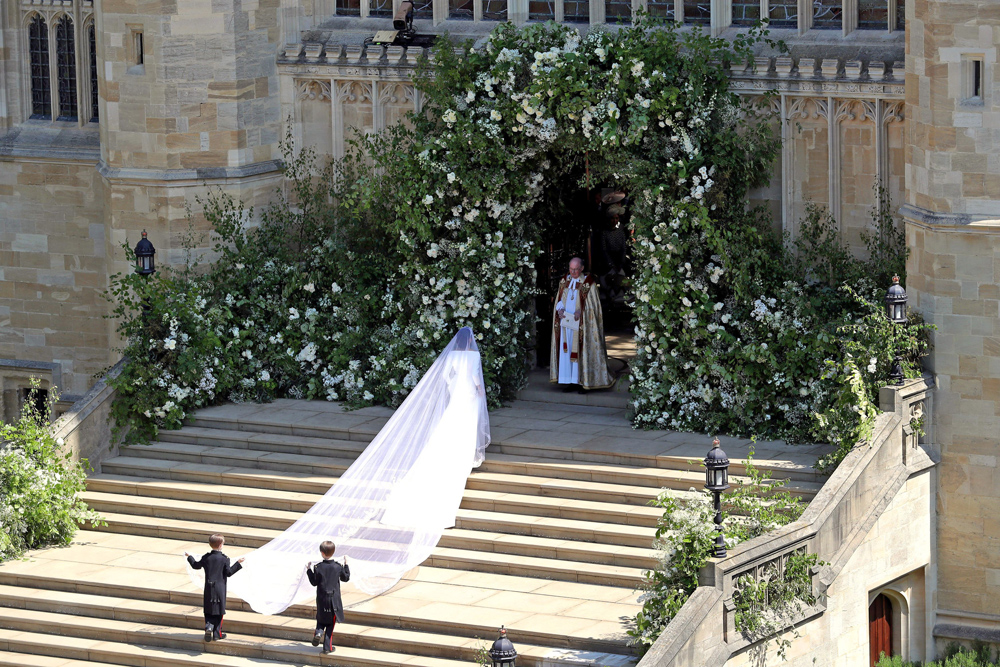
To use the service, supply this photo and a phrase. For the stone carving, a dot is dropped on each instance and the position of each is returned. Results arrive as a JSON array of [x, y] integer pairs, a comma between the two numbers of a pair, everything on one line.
[[808, 107], [893, 112], [354, 91], [312, 90]]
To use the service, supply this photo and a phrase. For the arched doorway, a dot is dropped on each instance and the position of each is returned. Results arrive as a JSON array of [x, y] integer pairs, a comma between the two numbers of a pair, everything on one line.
[[880, 627]]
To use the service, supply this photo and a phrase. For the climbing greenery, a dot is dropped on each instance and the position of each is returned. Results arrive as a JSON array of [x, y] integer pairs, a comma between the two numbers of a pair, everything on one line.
[[39, 485], [685, 536], [350, 282], [978, 655]]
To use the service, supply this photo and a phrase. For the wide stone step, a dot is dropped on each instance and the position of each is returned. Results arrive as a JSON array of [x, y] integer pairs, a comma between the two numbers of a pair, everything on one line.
[[470, 605], [170, 615], [442, 557], [297, 501], [456, 538], [123, 643], [222, 466]]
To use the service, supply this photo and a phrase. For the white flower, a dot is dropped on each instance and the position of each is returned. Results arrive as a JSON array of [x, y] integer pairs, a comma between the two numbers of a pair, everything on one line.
[[451, 177], [495, 115], [309, 287], [169, 344], [600, 53], [248, 354], [369, 396], [872, 365], [336, 289], [686, 301], [293, 314], [470, 96], [449, 116], [428, 200]]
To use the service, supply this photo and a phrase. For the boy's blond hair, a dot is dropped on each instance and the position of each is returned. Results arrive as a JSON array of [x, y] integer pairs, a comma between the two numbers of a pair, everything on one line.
[[328, 548], [216, 541]]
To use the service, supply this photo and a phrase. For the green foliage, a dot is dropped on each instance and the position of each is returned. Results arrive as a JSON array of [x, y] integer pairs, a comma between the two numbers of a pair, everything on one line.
[[39, 486], [685, 536], [978, 655]]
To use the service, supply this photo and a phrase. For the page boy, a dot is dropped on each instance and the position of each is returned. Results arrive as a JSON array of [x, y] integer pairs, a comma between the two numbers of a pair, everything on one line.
[[326, 577], [217, 571]]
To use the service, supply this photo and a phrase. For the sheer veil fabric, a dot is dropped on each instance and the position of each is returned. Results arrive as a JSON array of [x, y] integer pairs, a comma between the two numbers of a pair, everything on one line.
[[388, 510]]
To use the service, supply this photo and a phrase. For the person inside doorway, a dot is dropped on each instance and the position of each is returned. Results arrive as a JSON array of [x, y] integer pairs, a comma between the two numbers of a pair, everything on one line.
[[578, 357]]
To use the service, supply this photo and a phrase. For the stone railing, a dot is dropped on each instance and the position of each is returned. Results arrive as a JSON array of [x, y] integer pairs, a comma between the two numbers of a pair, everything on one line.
[[704, 633], [86, 427]]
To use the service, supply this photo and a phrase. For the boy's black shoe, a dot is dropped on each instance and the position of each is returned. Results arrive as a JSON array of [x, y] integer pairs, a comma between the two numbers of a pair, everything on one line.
[[209, 632], [317, 638], [329, 650], [221, 635]]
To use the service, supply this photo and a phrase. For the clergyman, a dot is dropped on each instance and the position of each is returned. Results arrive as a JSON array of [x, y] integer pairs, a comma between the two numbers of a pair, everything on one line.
[[579, 356]]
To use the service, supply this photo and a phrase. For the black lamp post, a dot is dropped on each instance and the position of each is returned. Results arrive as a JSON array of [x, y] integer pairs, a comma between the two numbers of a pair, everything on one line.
[[144, 252], [895, 310], [717, 481], [503, 653]]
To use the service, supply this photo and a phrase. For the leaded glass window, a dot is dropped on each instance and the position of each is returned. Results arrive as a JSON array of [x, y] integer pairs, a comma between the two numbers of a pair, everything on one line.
[[542, 10], [460, 9], [827, 14], [494, 10], [900, 15], [380, 8], [783, 13], [348, 7], [576, 11], [618, 11], [423, 9], [746, 12], [66, 68], [698, 12], [94, 107], [38, 47], [873, 14], [661, 9]]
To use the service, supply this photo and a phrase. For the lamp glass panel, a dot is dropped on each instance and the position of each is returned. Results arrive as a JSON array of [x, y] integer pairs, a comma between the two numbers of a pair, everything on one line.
[[718, 477]]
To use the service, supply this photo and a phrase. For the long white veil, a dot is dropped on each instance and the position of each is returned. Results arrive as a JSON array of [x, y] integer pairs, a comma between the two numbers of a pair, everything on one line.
[[388, 510]]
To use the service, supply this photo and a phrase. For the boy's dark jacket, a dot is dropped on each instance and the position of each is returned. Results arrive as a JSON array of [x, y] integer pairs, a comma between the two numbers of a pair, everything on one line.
[[217, 570], [326, 577]]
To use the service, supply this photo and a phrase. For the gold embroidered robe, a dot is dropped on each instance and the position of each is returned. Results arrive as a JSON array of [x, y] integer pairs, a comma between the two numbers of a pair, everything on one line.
[[590, 350]]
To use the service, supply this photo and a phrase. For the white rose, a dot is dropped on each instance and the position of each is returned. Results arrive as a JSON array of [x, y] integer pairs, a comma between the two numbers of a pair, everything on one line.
[[428, 200], [170, 344], [451, 177], [309, 287]]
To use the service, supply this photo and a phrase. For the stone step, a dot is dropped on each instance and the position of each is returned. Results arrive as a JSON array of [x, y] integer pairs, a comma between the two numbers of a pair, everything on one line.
[[494, 562], [224, 466], [123, 643], [12, 659], [359, 636], [296, 501], [591, 438], [565, 615], [455, 538]]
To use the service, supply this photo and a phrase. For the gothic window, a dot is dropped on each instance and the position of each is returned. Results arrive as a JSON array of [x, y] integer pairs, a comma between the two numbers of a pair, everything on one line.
[[423, 9], [828, 14], [746, 12], [873, 14], [348, 7], [92, 39], [576, 11], [38, 46], [66, 68], [900, 15], [460, 9], [380, 8], [541, 10], [494, 10], [783, 13], [618, 11], [698, 12], [661, 9]]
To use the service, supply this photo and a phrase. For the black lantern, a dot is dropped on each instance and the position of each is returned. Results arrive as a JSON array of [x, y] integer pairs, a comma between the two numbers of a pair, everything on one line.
[[895, 310], [717, 481], [502, 654], [144, 252], [895, 302]]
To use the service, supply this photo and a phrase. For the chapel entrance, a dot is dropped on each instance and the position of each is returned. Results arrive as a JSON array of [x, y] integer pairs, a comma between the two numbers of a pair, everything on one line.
[[590, 223], [880, 627]]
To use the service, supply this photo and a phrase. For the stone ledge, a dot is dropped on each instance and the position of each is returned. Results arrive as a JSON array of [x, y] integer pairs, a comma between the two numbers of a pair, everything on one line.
[[968, 633], [922, 217], [200, 174]]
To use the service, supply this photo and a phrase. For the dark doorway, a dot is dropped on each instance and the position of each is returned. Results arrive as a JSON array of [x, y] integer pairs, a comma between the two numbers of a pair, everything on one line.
[[880, 628]]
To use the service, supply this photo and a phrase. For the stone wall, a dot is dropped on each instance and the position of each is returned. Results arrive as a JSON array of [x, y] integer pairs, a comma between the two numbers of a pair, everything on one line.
[[952, 210]]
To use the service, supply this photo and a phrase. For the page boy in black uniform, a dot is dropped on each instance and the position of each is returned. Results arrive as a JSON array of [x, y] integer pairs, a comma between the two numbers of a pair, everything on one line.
[[326, 577], [217, 571]]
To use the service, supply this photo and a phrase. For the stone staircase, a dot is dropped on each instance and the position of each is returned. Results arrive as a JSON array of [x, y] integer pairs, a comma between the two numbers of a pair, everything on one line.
[[551, 541]]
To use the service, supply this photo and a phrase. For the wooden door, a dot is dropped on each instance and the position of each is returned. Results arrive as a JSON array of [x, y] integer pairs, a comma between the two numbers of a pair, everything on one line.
[[880, 627]]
